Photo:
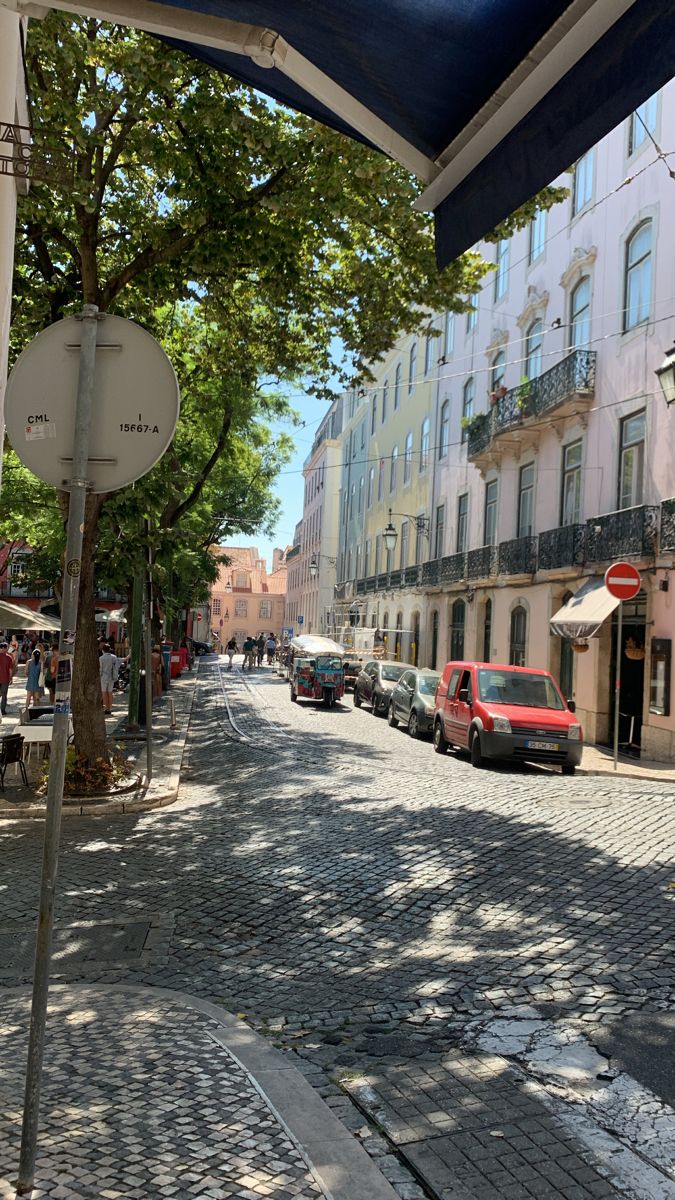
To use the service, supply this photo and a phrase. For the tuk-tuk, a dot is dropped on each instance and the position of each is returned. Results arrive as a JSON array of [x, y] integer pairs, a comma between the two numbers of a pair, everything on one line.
[[317, 670]]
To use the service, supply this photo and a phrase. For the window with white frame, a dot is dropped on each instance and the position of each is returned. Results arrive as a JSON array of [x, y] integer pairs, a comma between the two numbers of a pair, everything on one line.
[[444, 429], [582, 189], [397, 385], [570, 498], [393, 469], [412, 367], [371, 487], [533, 349], [377, 565], [467, 408], [385, 397], [373, 414], [361, 494], [439, 542], [525, 500], [638, 277], [472, 315], [425, 442], [265, 610], [408, 458], [462, 522], [241, 579], [642, 123], [405, 531], [241, 608], [632, 461], [498, 371], [490, 516], [380, 479], [215, 606], [502, 271], [352, 496], [580, 314], [537, 235], [428, 353]]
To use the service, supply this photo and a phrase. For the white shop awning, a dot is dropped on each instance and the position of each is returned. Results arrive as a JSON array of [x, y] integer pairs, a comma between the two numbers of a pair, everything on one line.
[[584, 613], [19, 616]]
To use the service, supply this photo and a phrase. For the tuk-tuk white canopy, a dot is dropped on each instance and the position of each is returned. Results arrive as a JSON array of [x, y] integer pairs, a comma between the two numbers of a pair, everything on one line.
[[307, 645]]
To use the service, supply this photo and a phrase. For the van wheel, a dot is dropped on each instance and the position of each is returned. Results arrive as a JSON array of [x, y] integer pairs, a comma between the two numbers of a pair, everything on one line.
[[357, 698], [413, 725], [568, 768], [477, 759], [391, 719], [440, 744]]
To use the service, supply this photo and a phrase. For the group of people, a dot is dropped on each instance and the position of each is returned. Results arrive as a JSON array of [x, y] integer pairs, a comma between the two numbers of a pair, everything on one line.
[[253, 649], [41, 660]]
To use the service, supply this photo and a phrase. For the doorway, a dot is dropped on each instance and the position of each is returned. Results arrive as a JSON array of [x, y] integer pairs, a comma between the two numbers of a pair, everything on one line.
[[632, 675]]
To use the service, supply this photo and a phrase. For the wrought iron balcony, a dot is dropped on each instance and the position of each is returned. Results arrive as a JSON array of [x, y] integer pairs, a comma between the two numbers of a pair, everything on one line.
[[394, 579], [627, 533], [411, 576], [667, 539], [569, 384], [360, 587], [562, 547], [371, 583], [452, 568], [481, 563], [518, 557], [430, 572]]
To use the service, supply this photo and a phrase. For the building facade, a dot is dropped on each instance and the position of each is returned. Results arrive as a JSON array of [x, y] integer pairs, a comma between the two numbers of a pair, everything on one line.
[[245, 599], [525, 445]]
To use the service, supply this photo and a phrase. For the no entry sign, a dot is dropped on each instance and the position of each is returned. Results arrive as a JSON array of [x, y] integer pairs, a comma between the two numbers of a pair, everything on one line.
[[622, 581]]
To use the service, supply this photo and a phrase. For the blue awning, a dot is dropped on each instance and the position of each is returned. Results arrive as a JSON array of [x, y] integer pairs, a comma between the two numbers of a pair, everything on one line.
[[486, 101]]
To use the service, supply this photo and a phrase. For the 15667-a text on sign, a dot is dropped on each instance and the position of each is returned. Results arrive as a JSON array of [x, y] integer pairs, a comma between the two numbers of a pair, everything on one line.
[[139, 426]]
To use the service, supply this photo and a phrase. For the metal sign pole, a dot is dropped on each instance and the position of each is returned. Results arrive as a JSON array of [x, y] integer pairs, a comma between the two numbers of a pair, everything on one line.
[[617, 685], [149, 614], [77, 488]]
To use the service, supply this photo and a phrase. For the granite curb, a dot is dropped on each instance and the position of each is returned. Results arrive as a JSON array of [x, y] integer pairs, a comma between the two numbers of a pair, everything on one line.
[[339, 1164], [163, 788]]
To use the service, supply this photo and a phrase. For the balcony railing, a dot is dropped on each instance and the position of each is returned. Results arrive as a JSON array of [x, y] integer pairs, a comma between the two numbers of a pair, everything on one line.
[[518, 557], [629, 532], [452, 568], [667, 536], [562, 547], [572, 377], [430, 572], [481, 563]]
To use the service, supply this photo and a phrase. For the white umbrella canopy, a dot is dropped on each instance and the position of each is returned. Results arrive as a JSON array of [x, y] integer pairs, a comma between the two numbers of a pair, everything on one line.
[[307, 644], [17, 616]]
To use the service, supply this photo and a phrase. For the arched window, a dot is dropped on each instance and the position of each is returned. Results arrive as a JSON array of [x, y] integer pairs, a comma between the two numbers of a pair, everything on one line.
[[407, 458], [518, 640], [487, 630], [424, 444], [385, 396], [533, 342], [397, 386], [638, 277], [498, 371], [415, 644], [580, 314], [434, 639], [399, 636], [457, 630], [412, 367], [444, 430], [467, 407]]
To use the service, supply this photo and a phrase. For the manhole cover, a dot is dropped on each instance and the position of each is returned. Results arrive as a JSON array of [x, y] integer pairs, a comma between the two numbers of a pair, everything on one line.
[[576, 802], [73, 946]]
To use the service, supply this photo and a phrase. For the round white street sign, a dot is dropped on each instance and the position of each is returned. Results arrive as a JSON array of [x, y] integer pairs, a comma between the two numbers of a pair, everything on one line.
[[135, 410]]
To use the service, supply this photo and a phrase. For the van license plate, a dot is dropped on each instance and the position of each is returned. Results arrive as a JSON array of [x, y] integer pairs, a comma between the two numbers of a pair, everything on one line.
[[542, 745]]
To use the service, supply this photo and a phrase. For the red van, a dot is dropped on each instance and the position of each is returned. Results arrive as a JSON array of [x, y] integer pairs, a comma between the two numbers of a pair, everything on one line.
[[505, 712]]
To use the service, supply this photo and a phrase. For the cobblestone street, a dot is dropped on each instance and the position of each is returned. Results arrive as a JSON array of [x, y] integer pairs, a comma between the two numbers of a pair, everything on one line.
[[456, 959]]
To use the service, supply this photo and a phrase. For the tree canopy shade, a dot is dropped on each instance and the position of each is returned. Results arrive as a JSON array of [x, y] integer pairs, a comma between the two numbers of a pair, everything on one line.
[[486, 102]]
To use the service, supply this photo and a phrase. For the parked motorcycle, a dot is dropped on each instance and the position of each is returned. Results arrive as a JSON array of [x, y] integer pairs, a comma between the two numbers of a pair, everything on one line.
[[123, 680]]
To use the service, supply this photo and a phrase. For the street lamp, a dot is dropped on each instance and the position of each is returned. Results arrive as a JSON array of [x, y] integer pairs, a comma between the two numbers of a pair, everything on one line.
[[666, 375], [390, 536], [314, 565]]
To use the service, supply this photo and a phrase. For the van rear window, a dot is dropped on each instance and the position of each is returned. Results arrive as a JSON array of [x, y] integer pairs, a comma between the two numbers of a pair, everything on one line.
[[518, 687]]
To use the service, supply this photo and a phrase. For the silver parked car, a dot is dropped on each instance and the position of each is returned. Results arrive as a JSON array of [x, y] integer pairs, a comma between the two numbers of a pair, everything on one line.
[[412, 701]]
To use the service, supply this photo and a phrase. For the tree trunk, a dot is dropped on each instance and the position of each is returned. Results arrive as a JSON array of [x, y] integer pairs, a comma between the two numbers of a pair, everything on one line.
[[87, 708]]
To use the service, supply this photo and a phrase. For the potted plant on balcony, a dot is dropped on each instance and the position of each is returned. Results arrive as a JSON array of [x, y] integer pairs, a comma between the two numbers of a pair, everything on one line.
[[523, 395]]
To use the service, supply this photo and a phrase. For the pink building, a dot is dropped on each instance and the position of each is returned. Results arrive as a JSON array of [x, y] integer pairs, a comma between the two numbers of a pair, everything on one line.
[[245, 599]]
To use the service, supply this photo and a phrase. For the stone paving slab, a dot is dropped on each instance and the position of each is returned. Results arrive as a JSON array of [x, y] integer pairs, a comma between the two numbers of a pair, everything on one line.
[[144, 1098]]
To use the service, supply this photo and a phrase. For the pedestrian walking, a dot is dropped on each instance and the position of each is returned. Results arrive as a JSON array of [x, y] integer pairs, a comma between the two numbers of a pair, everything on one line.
[[7, 668], [260, 649], [50, 666], [271, 648], [33, 690], [250, 652], [107, 665], [231, 649]]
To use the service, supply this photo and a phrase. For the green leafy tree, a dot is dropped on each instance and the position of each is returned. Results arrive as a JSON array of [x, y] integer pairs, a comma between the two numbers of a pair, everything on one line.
[[190, 188]]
